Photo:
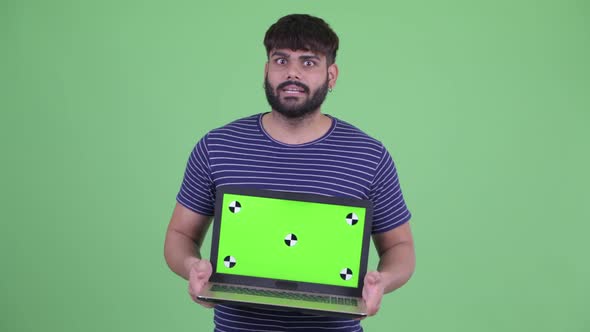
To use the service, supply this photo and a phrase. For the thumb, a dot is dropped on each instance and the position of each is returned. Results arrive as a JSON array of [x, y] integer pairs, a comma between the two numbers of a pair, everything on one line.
[[203, 269], [372, 292], [371, 280]]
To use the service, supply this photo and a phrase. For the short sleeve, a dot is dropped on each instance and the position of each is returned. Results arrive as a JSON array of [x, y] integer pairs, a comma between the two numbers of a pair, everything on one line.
[[197, 189], [389, 207]]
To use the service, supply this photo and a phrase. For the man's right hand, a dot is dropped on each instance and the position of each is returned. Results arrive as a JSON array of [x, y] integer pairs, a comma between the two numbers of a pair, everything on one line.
[[199, 273]]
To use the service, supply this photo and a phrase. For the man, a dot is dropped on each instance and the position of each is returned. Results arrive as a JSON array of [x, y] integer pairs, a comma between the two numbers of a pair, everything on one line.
[[294, 147]]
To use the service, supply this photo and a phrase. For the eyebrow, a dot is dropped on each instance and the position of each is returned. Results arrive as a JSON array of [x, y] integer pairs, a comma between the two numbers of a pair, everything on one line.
[[308, 57], [302, 57]]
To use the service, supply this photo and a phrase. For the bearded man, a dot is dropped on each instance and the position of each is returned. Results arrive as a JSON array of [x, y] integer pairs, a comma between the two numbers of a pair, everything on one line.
[[297, 148]]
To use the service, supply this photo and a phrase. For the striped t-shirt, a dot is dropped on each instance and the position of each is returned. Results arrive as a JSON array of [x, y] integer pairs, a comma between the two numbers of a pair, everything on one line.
[[343, 162]]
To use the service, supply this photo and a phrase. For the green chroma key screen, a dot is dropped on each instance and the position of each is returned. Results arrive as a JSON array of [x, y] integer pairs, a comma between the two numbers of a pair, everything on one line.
[[290, 240]]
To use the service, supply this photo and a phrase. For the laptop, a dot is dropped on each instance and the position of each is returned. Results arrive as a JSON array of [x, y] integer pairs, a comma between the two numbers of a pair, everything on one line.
[[294, 251]]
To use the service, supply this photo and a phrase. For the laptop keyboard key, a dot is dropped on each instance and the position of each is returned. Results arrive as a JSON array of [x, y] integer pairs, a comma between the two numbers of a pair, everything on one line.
[[285, 295]]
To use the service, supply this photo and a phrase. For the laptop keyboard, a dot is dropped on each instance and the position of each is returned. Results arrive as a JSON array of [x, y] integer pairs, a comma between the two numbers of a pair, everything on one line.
[[285, 295]]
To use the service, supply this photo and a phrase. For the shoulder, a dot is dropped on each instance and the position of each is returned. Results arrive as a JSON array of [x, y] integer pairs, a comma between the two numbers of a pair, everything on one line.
[[354, 136], [249, 123], [244, 127]]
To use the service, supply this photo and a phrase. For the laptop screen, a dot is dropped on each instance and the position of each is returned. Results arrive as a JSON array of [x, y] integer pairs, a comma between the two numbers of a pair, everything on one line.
[[294, 240]]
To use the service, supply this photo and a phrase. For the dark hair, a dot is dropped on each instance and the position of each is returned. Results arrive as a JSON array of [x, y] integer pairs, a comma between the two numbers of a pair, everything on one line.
[[302, 32]]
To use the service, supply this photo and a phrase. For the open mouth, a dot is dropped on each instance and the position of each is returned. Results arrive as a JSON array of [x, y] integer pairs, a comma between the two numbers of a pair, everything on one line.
[[293, 89]]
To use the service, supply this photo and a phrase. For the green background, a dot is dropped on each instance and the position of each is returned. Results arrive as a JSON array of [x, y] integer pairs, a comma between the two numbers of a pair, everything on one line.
[[326, 243], [484, 106]]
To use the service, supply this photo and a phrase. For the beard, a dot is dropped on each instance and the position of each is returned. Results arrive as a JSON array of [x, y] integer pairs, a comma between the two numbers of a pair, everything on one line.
[[291, 108]]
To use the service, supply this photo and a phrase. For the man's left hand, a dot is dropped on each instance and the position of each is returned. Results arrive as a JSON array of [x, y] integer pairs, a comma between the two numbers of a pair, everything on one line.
[[373, 291]]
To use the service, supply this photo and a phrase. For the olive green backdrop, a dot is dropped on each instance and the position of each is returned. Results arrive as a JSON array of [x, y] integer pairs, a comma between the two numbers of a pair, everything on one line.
[[483, 104]]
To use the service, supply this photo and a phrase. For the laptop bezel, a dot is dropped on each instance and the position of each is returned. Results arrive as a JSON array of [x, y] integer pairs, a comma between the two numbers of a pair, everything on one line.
[[292, 285]]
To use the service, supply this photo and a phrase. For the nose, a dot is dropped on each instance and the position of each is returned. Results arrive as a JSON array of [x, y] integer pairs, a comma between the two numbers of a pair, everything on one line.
[[293, 72]]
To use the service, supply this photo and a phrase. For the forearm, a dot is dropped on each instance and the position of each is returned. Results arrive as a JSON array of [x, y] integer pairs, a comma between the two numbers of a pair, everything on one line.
[[396, 265], [180, 252]]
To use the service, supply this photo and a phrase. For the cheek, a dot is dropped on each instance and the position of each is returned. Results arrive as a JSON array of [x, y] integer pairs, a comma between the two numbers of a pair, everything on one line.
[[274, 78], [320, 79]]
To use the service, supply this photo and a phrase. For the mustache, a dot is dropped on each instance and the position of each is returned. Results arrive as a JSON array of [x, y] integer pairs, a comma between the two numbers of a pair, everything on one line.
[[299, 84]]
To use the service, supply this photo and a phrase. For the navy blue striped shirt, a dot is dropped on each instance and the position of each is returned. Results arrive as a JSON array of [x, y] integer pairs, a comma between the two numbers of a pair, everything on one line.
[[343, 162]]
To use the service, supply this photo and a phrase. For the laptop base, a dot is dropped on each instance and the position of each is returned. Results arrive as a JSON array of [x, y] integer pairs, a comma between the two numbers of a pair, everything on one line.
[[289, 303]]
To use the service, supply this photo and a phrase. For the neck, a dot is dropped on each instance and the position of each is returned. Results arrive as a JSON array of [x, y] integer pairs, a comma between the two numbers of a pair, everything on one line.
[[296, 131]]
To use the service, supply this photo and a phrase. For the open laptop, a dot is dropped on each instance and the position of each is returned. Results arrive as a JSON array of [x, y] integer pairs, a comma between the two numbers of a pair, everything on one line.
[[291, 250]]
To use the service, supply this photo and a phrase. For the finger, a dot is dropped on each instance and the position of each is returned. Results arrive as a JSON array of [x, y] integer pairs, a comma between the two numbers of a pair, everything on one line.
[[203, 303], [370, 282], [202, 275], [197, 283], [372, 292], [206, 304], [373, 304], [204, 268], [199, 275], [194, 289], [373, 277], [200, 270]]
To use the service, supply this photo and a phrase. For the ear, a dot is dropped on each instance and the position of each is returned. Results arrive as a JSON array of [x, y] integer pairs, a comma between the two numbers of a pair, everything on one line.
[[265, 69], [332, 75]]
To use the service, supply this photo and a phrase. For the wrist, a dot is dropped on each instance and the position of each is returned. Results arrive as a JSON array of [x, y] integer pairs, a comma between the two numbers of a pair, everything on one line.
[[387, 280]]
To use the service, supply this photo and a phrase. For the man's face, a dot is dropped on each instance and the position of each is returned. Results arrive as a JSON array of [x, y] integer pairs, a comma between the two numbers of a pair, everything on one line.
[[296, 82]]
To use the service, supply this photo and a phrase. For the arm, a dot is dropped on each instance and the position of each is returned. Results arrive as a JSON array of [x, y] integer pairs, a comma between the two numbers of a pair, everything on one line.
[[184, 238], [396, 265]]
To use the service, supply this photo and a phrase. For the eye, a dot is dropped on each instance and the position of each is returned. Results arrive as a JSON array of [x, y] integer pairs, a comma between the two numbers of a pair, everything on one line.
[[308, 63], [281, 61]]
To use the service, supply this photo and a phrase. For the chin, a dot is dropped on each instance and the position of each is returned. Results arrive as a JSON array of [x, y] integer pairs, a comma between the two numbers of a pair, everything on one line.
[[295, 113]]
